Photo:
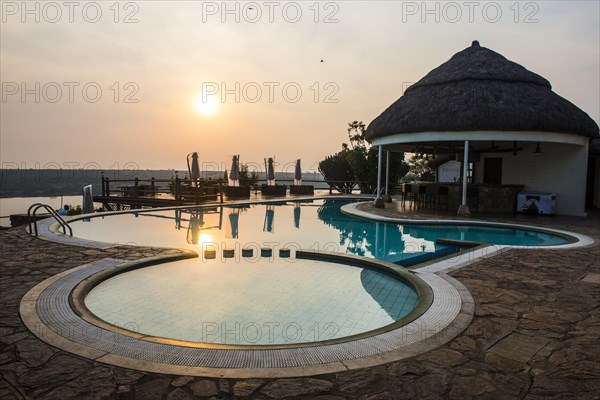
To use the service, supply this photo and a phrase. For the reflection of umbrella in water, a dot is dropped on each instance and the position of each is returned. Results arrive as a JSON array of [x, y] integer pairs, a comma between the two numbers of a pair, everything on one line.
[[194, 227], [298, 174], [270, 172], [234, 218], [178, 219], [194, 167], [269, 219], [297, 215], [234, 174]]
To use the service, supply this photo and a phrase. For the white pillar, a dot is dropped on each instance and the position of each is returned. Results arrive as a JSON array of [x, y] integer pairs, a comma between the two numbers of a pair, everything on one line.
[[465, 172], [378, 199], [379, 173], [463, 210], [387, 174]]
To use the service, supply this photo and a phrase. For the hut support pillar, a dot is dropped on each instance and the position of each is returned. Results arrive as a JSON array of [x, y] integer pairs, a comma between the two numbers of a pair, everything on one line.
[[378, 200], [388, 198], [463, 210]]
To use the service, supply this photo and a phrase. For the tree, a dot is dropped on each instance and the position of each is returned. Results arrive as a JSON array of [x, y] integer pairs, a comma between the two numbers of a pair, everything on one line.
[[419, 171], [361, 160], [337, 172], [360, 156]]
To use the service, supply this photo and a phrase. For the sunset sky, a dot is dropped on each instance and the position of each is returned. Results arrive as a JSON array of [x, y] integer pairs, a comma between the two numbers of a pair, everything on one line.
[[153, 59]]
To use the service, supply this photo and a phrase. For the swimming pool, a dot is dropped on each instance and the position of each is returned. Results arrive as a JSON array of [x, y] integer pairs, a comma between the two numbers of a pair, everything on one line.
[[226, 297]]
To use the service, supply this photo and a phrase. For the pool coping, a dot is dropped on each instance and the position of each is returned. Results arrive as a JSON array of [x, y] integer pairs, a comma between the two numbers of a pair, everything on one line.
[[47, 316]]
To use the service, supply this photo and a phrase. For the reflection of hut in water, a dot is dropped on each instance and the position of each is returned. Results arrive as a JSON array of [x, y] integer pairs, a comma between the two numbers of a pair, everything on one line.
[[382, 240]]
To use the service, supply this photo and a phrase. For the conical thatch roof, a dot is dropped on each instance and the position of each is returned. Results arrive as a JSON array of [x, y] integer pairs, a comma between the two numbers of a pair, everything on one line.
[[480, 90]]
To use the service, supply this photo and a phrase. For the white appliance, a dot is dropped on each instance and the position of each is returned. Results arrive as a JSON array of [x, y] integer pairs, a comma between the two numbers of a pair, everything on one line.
[[536, 203]]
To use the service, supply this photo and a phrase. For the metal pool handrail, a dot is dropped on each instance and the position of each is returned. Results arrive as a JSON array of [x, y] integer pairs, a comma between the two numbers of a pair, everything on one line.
[[31, 218]]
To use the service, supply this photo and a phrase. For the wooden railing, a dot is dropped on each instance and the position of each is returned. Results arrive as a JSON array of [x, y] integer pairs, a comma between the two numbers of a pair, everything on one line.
[[188, 190]]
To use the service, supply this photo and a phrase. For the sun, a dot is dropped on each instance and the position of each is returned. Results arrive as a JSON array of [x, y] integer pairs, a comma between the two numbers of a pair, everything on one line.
[[206, 105]]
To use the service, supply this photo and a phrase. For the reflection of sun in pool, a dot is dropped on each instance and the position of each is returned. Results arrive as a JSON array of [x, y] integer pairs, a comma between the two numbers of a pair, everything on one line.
[[205, 238], [206, 105]]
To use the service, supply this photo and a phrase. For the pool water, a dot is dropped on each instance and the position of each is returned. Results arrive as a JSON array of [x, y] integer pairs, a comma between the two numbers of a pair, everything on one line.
[[266, 302], [316, 225]]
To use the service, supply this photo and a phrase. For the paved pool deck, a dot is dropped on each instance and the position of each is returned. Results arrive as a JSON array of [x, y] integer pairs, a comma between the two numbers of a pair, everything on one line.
[[535, 333]]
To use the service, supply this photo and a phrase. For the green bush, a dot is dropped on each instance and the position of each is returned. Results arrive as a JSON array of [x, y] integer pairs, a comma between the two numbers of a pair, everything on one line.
[[247, 178]]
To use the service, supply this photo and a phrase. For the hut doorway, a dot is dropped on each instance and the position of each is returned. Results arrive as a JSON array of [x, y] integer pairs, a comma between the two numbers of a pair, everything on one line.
[[492, 171]]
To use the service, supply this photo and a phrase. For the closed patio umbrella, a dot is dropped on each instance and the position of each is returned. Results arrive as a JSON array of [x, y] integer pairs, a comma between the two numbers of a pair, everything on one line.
[[298, 174], [193, 167], [234, 174], [270, 172]]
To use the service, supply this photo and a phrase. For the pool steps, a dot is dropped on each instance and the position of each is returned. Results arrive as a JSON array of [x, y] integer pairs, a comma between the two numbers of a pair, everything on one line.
[[211, 254]]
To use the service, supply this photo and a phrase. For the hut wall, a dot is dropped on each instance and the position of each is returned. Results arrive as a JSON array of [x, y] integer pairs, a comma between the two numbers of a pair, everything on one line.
[[561, 169]]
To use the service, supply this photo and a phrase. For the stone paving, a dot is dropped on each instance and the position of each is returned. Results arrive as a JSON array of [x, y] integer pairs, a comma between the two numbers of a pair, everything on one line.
[[535, 334]]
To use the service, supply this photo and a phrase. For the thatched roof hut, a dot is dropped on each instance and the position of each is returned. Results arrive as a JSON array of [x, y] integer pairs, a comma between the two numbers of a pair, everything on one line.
[[503, 119], [480, 90]]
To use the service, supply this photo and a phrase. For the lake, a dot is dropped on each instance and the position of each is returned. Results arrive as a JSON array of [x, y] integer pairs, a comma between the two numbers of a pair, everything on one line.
[[19, 205]]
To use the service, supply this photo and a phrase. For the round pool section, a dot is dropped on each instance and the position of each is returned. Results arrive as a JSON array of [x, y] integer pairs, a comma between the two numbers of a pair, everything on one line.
[[248, 302]]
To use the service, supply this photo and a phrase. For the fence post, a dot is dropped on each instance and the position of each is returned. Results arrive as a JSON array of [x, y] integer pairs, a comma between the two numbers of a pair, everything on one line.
[[102, 181], [177, 190], [107, 186], [135, 188], [152, 186]]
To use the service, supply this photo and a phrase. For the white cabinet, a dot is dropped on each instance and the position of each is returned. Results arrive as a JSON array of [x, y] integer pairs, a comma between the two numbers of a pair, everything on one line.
[[536, 203]]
